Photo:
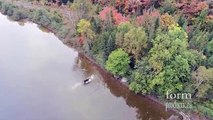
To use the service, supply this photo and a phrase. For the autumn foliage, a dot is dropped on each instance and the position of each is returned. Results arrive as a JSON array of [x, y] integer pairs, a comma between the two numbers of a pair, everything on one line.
[[167, 20], [110, 11], [167, 45], [147, 16], [128, 6], [192, 8]]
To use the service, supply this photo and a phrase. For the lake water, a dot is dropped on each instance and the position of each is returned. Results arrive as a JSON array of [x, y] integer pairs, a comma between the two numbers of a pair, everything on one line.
[[41, 79]]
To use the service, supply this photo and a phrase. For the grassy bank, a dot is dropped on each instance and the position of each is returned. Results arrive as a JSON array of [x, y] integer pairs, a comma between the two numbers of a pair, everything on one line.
[[52, 20]]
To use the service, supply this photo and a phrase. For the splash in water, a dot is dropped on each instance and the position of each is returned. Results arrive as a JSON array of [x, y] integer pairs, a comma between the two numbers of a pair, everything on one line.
[[92, 76]]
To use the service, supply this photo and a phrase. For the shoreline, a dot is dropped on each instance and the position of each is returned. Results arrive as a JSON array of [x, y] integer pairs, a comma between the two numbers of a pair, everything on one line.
[[151, 98], [68, 42], [183, 115]]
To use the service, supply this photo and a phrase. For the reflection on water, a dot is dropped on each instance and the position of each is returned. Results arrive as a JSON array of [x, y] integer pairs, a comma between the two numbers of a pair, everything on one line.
[[144, 108], [43, 29], [41, 79]]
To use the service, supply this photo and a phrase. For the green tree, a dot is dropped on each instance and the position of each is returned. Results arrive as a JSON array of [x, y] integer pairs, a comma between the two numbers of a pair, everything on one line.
[[182, 21], [131, 39], [96, 24], [199, 41], [135, 41], [0, 4], [170, 58], [168, 6], [19, 14], [209, 62], [202, 81], [141, 77], [122, 29], [83, 9], [104, 44], [166, 45], [108, 43], [118, 62], [209, 49], [7, 8], [84, 29]]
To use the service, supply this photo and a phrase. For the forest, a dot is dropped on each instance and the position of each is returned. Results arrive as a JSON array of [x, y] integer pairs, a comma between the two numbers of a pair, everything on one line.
[[158, 45]]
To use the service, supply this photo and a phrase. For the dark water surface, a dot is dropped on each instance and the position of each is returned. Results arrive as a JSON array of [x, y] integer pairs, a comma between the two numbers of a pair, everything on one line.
[[40, 79]]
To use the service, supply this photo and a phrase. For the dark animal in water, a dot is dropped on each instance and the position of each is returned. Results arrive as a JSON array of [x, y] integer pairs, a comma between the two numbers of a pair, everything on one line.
[[87, 81]]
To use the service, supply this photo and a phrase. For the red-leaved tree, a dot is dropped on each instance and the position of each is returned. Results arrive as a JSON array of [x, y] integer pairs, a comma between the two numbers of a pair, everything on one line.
[[110, 11]]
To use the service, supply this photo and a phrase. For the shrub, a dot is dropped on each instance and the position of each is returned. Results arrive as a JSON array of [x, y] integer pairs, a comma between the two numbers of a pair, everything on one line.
[[209, 25], [63, 32], [209, 62], [168, 6], [0, 5], [19, 14], [205, 110], [10, 10], [56, 17], [4, 8], [209, 48], [84, 28]]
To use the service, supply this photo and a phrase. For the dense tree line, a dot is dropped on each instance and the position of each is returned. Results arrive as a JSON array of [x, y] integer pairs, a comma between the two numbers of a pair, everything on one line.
[[169, 43]]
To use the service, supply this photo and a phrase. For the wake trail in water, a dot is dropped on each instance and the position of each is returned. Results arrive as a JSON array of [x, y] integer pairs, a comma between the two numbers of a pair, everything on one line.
[[76, 85]]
